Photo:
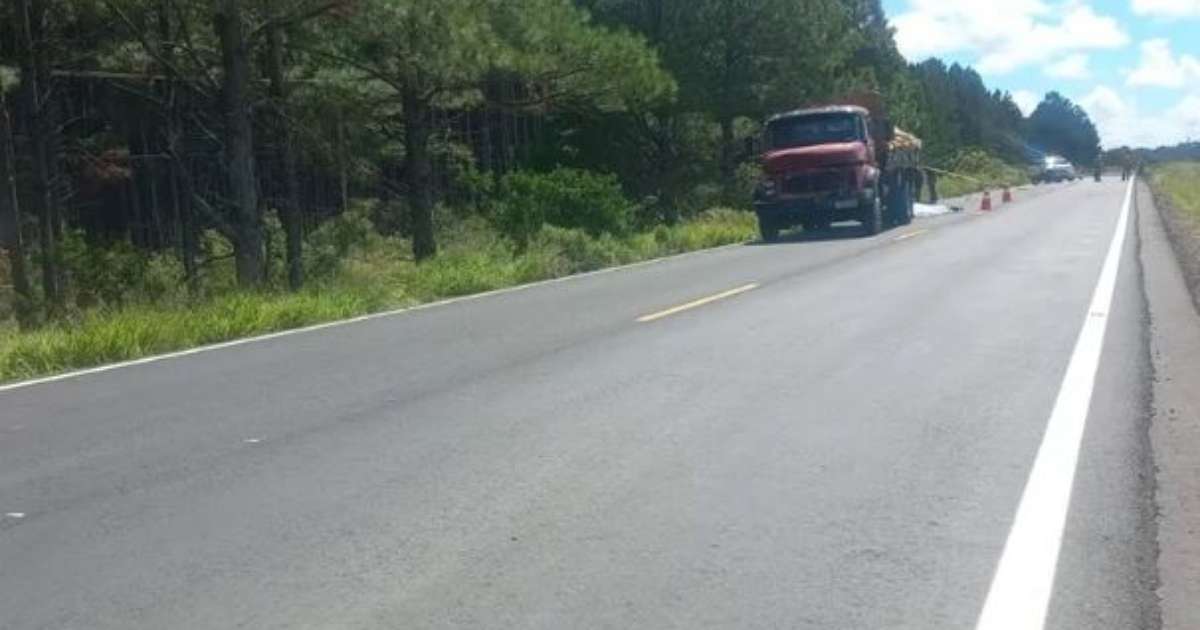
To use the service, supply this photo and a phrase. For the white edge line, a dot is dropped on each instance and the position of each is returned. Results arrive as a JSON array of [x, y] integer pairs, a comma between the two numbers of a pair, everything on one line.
[[1019, 596], [353, 320]]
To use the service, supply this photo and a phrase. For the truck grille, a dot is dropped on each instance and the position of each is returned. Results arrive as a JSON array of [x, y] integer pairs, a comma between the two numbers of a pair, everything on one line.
[[815, 182]]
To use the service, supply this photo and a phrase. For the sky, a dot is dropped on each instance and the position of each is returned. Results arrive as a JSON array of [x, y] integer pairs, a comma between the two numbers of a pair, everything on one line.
[[1134, 65]]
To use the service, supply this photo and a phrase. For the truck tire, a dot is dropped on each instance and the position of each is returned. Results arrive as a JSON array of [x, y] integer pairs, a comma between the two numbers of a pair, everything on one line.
[[900, 205], [768, 229], [872, 220]]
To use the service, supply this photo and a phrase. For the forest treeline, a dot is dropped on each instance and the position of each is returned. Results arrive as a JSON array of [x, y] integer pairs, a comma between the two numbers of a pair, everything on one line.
[[223, 134]]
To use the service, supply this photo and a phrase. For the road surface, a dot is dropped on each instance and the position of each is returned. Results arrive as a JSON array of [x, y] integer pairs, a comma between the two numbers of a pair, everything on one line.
[[822, 433]]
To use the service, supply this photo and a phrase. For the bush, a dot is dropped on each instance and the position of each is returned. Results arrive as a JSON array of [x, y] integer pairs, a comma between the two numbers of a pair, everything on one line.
[[117, 273], [982, 170], [567, 198], [580, 252], [329, 244]]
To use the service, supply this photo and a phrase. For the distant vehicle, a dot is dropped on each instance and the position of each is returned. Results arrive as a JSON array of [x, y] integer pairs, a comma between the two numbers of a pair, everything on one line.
[[1053, 168], [835, 163]]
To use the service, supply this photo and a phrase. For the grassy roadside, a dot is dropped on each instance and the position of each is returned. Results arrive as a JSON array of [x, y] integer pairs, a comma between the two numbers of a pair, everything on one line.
[[1176, 190], [375, 276], [1180, 184]]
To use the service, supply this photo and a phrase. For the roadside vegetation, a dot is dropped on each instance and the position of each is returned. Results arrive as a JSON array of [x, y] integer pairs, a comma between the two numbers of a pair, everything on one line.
[[178, 173], [974, 171], [1180, 183], [374, 273]]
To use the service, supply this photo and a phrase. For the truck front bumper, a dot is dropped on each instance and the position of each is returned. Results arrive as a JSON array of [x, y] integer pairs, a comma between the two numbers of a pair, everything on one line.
[[825, 208]]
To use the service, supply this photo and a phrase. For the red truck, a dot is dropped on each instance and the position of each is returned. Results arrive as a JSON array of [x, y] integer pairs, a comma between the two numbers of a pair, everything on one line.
[[835, 163]]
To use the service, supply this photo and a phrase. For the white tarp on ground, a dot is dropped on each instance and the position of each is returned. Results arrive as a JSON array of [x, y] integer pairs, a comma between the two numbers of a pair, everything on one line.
[[926, 210]]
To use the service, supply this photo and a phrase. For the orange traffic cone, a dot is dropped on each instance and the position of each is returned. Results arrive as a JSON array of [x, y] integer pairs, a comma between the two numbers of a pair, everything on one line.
[[986, 205], [1007, 195]]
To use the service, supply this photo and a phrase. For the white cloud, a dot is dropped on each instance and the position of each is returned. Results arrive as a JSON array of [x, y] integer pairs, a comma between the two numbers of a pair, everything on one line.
[[1167, 8], [1070, 67], [1122, 122], [1004, 36], [1159, 67], [1027, 101]]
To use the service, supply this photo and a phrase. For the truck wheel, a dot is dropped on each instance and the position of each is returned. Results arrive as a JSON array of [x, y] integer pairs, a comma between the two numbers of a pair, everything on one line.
[[769, 230], [872, 221]]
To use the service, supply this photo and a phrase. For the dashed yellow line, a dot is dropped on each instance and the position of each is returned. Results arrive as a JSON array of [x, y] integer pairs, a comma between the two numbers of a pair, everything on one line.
[[697, 303], [913, 234]]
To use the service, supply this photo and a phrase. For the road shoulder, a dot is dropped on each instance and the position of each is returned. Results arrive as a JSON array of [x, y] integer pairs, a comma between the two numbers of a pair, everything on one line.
[[1175, 428]]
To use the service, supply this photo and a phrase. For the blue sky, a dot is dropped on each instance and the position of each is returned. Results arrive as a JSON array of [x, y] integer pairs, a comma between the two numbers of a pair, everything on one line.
[[1134, 65]]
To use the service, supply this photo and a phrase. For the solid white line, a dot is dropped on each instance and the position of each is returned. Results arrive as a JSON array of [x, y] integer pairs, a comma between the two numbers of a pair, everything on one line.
[[1024, 579], [354, 320], [697, 303]]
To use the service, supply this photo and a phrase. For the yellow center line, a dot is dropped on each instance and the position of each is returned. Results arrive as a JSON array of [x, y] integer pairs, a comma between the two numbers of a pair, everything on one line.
[[700, 302], [903, 237]]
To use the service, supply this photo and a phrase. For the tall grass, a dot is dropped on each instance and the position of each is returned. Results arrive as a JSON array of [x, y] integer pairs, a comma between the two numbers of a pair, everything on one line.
[[373, 275], [1180, 181]]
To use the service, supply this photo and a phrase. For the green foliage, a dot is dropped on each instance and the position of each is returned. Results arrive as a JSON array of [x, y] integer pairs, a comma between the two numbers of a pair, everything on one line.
[[1062, 127], [979, 170], [449, 47], [960, 111], [115, 274], [328, 245], [564, 197]]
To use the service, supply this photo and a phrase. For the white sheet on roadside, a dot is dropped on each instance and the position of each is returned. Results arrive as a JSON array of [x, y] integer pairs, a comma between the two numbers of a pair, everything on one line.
[[927, 210]]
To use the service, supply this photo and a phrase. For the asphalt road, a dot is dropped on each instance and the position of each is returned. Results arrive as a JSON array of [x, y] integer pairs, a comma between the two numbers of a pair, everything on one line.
[[841, 440]]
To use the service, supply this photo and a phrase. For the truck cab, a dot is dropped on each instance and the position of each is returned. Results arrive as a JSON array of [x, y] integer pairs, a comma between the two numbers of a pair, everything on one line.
[[828, 164]]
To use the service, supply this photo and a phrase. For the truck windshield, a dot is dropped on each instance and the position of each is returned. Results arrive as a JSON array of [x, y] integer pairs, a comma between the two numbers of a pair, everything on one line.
[[803, 131]]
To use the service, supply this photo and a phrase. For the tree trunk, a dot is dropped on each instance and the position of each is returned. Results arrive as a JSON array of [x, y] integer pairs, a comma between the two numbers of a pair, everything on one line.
[[343, 159], [41, 128], [418, 171], [289, 201], [179, 180], [23, 305], [728, 166], [185, 190], [239, 142]]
